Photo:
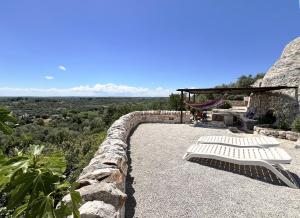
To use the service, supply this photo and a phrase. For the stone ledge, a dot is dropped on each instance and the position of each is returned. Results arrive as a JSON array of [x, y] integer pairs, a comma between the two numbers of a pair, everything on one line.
[[277, 133], [102, 182]]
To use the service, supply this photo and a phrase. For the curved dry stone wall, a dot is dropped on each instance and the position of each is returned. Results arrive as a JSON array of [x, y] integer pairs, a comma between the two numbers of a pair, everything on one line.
[[102, 182]]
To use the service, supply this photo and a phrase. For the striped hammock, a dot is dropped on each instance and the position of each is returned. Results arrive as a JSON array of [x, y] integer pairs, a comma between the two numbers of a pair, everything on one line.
[[206, 105]]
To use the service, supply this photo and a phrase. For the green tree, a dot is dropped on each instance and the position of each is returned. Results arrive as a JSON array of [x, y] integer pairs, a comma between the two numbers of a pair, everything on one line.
[[247, 81], [174, 102]]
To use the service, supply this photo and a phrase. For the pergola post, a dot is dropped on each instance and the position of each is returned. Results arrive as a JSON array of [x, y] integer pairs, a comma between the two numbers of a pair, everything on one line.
[[181, 106], [194, 98]]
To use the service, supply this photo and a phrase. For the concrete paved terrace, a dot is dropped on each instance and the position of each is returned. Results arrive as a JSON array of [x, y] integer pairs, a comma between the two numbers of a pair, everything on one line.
[[161, 184]]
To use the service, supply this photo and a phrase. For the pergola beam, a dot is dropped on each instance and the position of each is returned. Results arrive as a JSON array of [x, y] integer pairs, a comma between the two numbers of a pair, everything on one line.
[[247, 90]]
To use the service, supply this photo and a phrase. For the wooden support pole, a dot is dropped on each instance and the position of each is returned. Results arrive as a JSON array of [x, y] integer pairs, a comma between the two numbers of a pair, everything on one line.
[[189, 97], [194, 98], [181, 107]]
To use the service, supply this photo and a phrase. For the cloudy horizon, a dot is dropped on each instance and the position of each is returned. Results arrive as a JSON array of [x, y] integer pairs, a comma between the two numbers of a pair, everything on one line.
[[97, 90]]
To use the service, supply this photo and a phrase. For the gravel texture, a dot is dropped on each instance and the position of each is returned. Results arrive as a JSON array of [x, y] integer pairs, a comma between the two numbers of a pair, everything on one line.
[[161, 184]]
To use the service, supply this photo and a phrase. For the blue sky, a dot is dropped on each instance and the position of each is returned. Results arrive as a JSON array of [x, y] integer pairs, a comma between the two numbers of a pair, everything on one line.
[[147, 47]]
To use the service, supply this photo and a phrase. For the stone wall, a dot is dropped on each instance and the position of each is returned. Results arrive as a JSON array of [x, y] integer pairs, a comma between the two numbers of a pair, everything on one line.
[[277, 133], [102, 182]]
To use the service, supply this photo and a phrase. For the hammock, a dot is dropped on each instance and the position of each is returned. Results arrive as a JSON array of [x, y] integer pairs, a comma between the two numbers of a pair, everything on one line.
[[206, 105]]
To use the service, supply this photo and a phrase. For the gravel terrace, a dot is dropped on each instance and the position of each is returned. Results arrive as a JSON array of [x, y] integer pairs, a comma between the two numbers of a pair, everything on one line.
[[162, 184]]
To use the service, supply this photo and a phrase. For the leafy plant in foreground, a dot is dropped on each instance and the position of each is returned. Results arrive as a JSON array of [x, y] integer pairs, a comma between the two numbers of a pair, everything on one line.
[[6, 117], [35, 183]]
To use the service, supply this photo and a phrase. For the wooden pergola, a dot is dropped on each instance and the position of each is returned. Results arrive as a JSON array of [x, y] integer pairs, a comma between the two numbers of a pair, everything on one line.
[[246, 91]]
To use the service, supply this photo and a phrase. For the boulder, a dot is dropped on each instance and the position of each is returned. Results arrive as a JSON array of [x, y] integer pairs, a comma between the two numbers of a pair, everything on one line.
[[282, 134], [106, 192], [109, 175], [111, 159], [111, 148], [117, 134], [293, 136], [118, 142], [93, 166], [98, 209]]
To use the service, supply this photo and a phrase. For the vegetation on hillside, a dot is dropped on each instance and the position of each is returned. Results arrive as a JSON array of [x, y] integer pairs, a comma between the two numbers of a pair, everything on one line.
[[73, 126], [70, 130]]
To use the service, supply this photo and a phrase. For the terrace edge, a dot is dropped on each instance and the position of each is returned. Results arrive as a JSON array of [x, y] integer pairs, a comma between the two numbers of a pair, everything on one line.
[[102, 183]]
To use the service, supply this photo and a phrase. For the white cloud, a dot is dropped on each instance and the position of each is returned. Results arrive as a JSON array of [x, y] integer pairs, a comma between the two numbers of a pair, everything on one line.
[[109, 89], [49, 77], [61, 67]]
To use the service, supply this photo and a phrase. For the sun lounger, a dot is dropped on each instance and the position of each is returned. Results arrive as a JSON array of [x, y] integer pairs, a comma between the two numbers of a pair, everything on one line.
[[260, 141], [269, 158]]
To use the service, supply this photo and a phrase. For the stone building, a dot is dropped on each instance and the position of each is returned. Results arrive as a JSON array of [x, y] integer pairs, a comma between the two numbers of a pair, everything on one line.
[[285, 72]]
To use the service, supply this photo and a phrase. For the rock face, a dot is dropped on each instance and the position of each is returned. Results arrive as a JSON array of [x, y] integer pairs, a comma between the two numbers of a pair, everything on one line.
[[102, 182], [285, 72]]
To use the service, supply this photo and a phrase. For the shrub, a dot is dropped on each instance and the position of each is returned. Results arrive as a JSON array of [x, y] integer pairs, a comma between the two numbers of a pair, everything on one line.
[[268, 118], [283, 124], [225, 105], [282, 119], [236, 97], [296, 124]]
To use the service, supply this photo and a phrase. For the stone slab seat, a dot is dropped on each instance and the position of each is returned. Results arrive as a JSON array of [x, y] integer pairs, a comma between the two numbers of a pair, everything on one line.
[[260, 141], [269, 158]]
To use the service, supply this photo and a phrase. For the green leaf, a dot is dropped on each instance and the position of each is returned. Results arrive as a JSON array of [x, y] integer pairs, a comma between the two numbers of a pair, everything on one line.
[[63, 210], [63, 186], [20, 210], [41, 207], [10, 118], [54, 162], [21, 186], [36, 149], [5, 117], [10, 168], [5, 128], [76, 200], [32, 179]]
